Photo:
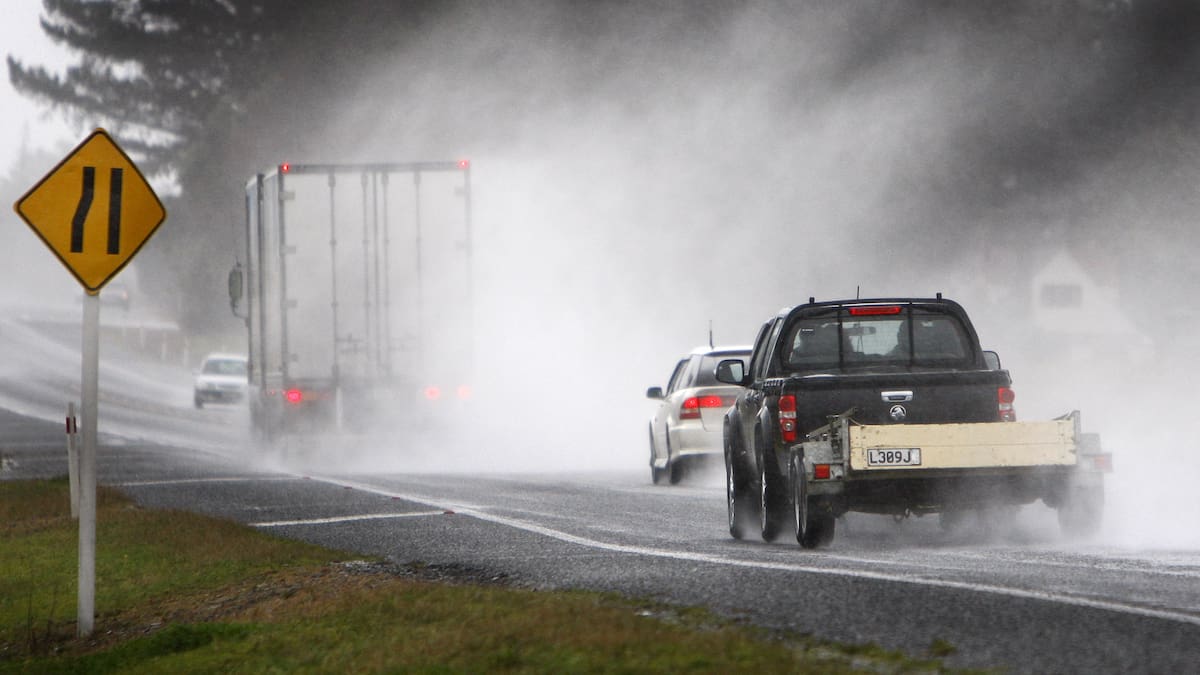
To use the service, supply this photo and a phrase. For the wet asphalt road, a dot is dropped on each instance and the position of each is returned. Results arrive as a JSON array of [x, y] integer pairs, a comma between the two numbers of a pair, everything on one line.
[[1017, 599]]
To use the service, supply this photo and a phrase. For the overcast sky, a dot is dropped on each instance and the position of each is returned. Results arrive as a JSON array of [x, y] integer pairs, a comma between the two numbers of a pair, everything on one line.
[[21, 36]]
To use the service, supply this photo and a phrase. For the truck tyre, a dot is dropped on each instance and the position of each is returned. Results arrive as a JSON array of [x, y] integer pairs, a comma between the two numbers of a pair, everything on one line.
[[657, 476], [257, 423], [814, 529], [1080, 513], [742, 503], [773, 509]]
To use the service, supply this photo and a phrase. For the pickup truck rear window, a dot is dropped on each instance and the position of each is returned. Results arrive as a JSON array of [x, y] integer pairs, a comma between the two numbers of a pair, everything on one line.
[[913, 337]]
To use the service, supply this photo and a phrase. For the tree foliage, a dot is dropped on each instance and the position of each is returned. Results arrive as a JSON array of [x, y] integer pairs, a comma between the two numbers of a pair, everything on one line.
[[156, 70]]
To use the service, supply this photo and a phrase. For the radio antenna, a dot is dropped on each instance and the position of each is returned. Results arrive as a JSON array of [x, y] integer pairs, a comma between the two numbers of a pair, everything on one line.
[[710, 337]]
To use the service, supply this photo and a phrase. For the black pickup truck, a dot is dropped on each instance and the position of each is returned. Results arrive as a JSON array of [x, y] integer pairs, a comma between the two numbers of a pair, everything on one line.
[[823, 374]]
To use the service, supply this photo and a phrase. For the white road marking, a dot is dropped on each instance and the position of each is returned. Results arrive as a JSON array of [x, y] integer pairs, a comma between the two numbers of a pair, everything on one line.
[[347, 519], [1047, 596], [1112, 564], [192, 481]]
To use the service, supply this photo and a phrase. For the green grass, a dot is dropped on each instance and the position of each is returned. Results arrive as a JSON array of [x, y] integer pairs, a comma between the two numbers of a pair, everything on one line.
[[182, 593]]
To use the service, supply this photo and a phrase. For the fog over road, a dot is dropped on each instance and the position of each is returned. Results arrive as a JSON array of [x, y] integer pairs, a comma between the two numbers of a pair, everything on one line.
[[1016, 597]]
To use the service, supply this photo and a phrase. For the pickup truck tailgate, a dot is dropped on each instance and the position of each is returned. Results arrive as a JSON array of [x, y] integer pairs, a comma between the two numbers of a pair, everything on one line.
[[891, 447]]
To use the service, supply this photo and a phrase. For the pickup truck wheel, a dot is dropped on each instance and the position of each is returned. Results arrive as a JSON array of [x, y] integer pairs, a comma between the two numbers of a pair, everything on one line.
[[1080, 514], [740, 501], [813, 529], [773, 507]]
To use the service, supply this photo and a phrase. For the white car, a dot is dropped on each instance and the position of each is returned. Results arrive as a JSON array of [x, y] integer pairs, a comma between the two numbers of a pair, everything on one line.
[[688, 426], [222, 378]]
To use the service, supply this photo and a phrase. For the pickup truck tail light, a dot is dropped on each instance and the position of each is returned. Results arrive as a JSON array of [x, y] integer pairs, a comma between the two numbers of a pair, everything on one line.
[[690, 410], [787, 418], [1004, 400]]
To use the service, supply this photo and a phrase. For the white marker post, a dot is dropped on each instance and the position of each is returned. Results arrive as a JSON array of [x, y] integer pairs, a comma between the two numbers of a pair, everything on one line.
[[73, 459], [90, 386]]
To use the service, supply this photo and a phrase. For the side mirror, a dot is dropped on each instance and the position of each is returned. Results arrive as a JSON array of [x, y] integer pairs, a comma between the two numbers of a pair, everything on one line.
[[654, 392], [731, 371], [991, 360], [236, 286]]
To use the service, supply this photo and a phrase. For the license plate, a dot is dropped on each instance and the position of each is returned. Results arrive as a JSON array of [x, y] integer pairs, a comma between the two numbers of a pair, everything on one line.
[[893, 457]]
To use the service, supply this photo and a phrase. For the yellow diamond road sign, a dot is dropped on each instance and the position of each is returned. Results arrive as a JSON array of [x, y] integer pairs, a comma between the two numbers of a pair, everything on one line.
[[94, 210]]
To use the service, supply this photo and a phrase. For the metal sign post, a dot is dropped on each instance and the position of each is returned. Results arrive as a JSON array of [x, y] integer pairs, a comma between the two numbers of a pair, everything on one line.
[[90, 385]]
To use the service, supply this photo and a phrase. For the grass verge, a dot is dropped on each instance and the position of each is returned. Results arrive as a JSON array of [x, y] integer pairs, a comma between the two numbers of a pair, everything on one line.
[[182, 593]]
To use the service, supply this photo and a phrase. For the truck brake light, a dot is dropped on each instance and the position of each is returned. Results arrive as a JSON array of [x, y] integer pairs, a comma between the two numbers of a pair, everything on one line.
[[690, 409], [1102, 462], [1004, 400], [787, 418], [293, 395]]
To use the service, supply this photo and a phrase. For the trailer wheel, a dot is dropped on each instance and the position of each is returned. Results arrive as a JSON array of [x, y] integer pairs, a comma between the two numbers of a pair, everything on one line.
[[1079, 515], [951, 520], [773, 507], [814, 529], [741, 503]]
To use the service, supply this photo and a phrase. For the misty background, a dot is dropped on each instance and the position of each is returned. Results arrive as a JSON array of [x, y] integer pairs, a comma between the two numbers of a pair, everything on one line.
[[641, 169]]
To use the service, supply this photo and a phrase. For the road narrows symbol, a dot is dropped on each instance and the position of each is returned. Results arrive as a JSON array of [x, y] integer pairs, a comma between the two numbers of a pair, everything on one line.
[[81, 211], [116, 177], [114, 211]]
